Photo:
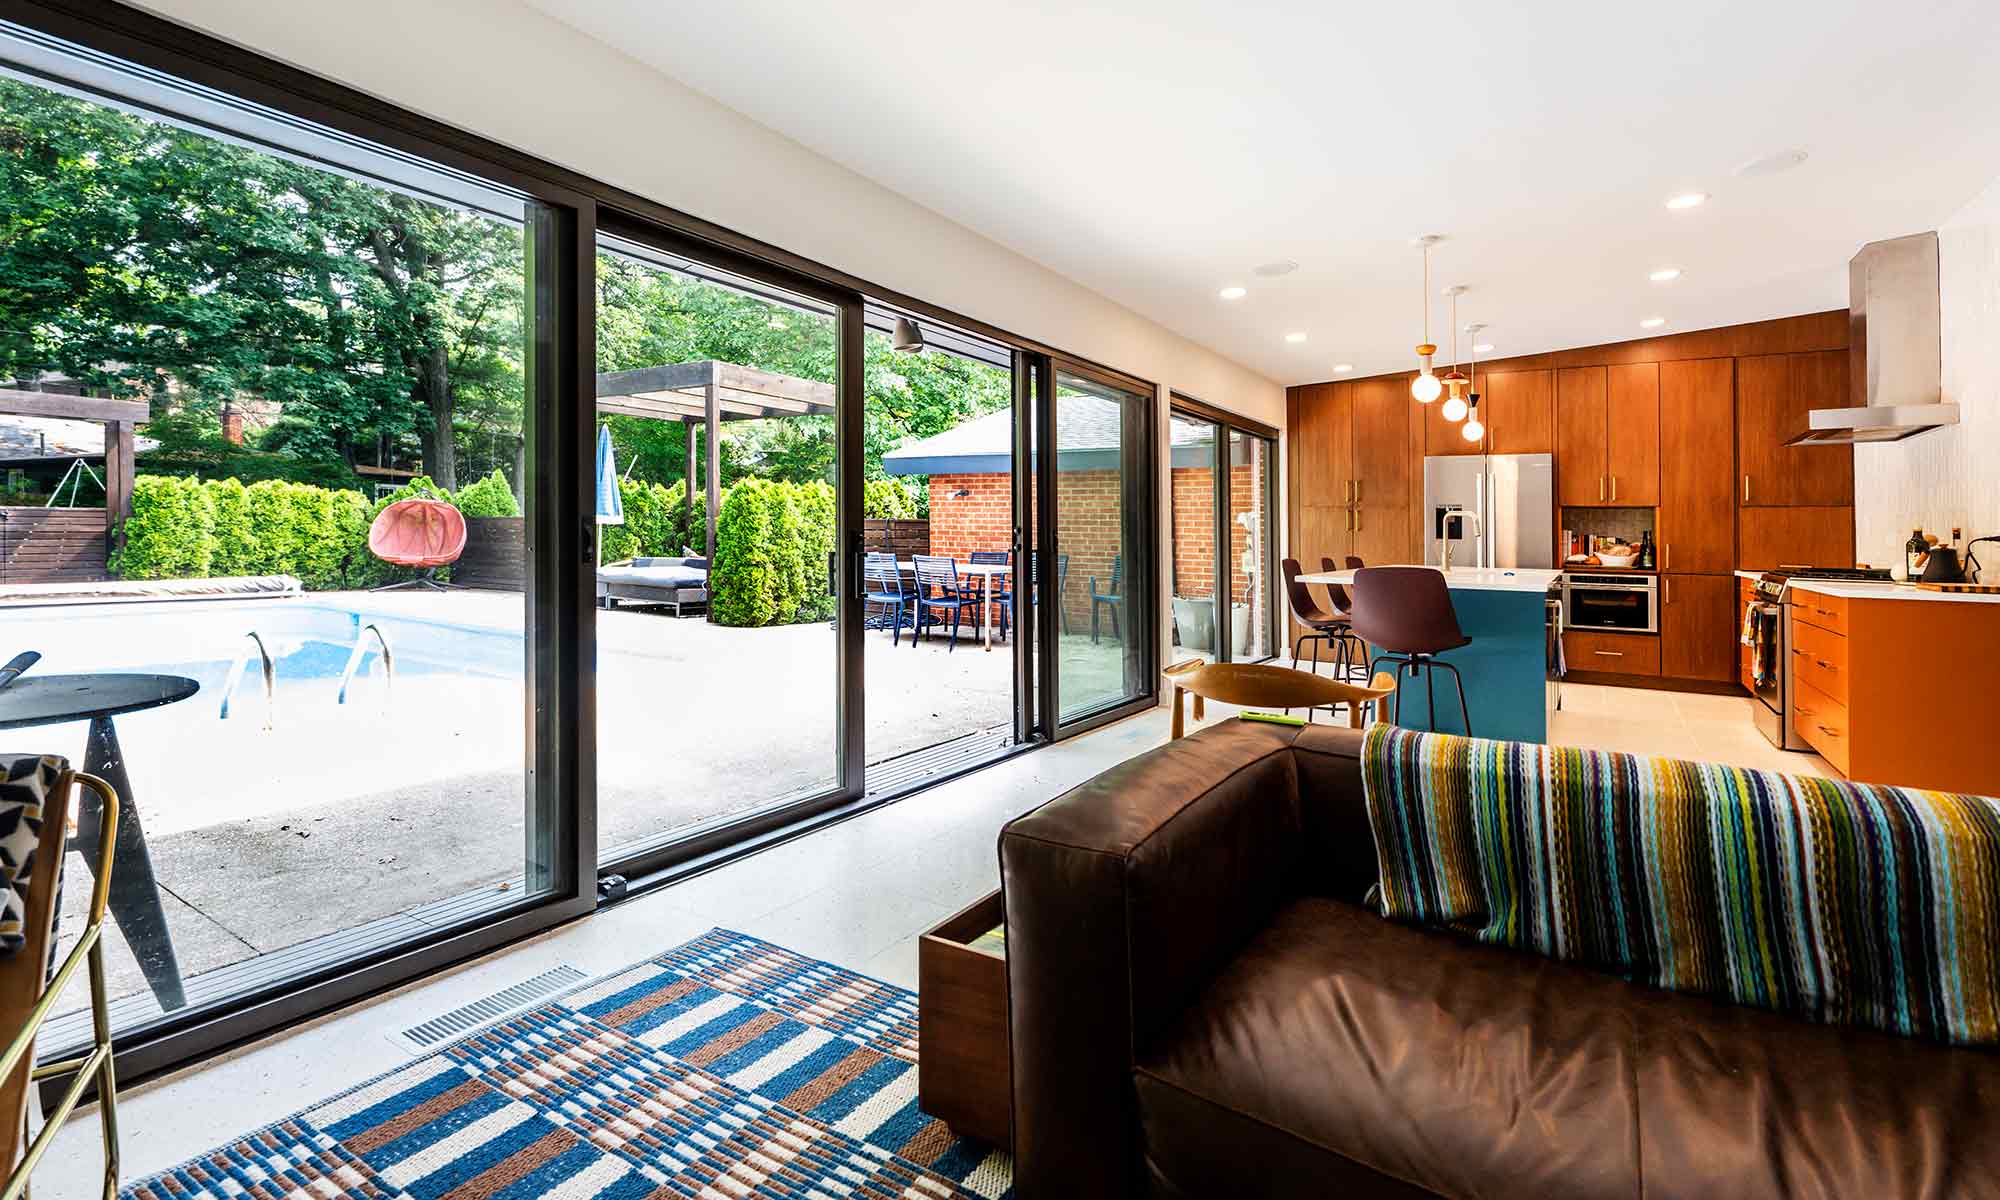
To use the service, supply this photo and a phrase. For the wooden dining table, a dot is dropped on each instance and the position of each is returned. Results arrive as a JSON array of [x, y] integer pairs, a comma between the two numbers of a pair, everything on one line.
[[985, 572]]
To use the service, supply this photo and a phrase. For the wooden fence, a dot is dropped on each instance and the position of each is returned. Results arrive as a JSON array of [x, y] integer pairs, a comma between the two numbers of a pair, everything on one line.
[[52, 545], [496, 554], [901, 538]]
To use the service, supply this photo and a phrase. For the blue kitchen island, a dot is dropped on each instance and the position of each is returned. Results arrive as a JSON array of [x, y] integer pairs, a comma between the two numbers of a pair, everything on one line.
[[1504, 611]]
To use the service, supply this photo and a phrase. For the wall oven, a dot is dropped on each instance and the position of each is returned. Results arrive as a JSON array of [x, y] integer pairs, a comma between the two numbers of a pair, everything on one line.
[[1616, 603]]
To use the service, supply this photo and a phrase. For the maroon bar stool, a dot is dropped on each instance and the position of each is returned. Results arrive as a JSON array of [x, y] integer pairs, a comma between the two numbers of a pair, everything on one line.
[[1352, 654], [1406, 614], [1321, 626]]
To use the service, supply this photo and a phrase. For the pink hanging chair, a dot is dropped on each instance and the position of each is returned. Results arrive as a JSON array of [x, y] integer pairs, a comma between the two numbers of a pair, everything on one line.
[[418, 532]]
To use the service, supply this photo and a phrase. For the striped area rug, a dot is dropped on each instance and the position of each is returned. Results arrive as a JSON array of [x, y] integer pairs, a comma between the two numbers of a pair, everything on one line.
[[728, 1067]]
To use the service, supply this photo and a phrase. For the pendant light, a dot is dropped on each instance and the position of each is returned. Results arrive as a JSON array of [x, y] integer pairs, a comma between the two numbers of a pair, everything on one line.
[[1474, 429], [1425, 387], [1454, 379]]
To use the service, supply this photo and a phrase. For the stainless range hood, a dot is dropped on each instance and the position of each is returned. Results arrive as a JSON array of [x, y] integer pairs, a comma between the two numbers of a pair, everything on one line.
[[1892, 349]]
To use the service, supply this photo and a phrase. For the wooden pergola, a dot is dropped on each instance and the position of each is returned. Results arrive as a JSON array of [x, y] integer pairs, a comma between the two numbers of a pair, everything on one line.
[[707, 393]]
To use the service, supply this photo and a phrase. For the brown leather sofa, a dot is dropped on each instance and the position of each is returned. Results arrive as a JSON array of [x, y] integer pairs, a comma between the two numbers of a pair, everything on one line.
[[1201, 1006]]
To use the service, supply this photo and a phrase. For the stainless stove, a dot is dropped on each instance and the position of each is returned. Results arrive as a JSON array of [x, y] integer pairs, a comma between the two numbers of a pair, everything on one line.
[[1768, 626]]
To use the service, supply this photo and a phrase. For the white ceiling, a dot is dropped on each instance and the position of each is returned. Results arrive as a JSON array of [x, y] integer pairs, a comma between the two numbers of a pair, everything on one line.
[[1156, 150]]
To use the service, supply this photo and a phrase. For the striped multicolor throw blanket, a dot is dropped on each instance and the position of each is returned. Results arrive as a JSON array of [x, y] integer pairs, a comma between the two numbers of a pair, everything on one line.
[[1838, 902]]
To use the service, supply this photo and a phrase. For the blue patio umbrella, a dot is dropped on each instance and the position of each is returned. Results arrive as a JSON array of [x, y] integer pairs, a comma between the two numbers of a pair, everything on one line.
[[610, 503]]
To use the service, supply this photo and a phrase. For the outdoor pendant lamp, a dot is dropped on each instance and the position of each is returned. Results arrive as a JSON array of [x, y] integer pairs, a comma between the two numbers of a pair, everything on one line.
[[1454, 379], [908, 337], [1425, 387]]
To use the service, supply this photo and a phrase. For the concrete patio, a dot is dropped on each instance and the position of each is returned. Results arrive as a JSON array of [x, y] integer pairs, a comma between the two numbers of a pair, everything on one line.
[[412, 793]]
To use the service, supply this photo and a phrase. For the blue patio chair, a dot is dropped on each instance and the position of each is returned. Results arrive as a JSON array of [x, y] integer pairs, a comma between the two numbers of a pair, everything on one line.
[[1003, 587], [939, 590], [883, 598], [1110, 595]]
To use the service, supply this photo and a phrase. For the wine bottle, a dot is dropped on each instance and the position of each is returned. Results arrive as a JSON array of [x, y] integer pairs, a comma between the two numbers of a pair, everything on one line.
[[1915, 551]]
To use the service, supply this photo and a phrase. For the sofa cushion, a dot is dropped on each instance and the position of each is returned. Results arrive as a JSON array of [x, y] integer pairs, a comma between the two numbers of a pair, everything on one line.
[[1398, 1061]]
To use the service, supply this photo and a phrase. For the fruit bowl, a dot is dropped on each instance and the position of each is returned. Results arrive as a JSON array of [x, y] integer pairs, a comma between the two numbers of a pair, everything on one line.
[[1612, 559]]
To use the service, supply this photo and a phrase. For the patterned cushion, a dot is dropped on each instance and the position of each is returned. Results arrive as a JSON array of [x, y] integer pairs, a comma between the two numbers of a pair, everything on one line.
[[25, 783], [1844, 903]]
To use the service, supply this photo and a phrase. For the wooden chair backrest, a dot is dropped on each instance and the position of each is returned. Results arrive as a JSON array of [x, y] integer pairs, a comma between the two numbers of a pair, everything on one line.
[[1263, 686], [23, 974]]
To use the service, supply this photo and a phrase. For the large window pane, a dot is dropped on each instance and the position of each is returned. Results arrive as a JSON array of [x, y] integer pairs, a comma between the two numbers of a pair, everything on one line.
[[302, 659], [1192, 487], [1102, 493], [717, 677], [1253, 616]]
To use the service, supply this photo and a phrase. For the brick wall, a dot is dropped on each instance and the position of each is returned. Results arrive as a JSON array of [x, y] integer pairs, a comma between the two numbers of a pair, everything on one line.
[[1089, 509]]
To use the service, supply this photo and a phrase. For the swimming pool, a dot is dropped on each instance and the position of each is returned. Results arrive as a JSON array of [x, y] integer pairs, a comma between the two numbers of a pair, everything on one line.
[[309, 640]]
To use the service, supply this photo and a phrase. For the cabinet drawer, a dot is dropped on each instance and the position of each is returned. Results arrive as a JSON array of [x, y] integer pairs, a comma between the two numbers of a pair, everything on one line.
[[1819, 658], [1616, 653], [1822, 722], [1827, 612]]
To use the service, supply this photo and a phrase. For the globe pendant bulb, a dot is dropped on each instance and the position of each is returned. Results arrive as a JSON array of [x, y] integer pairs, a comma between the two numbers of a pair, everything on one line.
[[1425, 388], [1454, 409], [1473, 430]]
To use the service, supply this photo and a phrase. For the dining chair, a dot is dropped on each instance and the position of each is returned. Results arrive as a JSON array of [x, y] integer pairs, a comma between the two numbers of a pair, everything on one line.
[[1003, 587], [939, 591], [1111, 595], [883, 590]]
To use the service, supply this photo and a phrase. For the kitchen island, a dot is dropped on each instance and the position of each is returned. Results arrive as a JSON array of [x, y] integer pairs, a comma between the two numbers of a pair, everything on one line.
[[1505, 669]]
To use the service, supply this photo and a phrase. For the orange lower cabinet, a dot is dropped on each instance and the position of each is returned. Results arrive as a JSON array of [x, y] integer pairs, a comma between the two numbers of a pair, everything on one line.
[[1905, 688]]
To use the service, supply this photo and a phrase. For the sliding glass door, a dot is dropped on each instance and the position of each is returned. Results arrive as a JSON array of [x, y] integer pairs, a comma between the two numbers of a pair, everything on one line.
[[290, 514], [1222, 496], [1104, 497]]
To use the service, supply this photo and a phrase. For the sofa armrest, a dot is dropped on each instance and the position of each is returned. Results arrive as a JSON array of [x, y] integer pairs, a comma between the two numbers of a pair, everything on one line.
[[1124, 897]]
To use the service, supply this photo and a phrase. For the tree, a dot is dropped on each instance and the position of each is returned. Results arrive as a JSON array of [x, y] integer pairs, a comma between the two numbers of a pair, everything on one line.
[[142, 258]]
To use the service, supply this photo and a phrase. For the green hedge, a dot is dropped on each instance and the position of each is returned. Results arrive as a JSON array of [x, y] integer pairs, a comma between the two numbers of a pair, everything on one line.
[[184, 528], [771, 545]]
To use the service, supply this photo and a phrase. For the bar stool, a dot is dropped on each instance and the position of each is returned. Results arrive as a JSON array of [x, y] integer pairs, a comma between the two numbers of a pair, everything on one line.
[[1406, 614], [1321, 626], [1353, 652]]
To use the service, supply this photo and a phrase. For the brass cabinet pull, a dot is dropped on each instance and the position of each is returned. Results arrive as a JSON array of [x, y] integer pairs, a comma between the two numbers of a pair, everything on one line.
[[1822, 662], [1357, 491], [1666, 557], [1746, 489], [1600, 489], [1670, 591], [1609, 653], [1614, 487], [1829, 732], [1357, 520]]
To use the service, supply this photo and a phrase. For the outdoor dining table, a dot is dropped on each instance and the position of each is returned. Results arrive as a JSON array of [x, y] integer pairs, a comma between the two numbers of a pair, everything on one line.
[[985, 572], [135, 898]]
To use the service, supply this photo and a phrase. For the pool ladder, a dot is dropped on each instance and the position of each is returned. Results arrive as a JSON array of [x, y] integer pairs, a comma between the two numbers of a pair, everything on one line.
[[355, 655], [270, 670], [263, 654]]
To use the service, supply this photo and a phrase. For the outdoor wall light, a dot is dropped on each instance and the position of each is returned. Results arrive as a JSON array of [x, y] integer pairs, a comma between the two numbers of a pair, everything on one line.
[[908, 338]]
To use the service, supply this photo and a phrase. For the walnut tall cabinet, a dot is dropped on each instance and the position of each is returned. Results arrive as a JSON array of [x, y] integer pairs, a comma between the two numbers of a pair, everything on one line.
[[1691, 425]]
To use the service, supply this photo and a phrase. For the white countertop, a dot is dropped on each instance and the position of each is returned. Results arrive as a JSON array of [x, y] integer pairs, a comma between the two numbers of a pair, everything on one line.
[[1473, 579], [1865, 590]]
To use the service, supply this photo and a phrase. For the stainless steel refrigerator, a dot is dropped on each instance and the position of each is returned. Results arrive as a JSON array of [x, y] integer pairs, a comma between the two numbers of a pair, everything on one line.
[[1511, 498]]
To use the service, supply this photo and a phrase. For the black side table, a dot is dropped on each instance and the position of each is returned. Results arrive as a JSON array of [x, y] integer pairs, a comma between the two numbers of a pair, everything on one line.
[[135, 898]]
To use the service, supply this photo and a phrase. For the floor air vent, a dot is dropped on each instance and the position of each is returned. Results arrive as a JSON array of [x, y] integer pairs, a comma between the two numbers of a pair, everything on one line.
[[463, 1020]]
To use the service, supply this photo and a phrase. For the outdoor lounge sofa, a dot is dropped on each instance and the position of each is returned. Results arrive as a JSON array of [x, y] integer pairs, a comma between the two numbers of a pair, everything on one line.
[[679, 582]]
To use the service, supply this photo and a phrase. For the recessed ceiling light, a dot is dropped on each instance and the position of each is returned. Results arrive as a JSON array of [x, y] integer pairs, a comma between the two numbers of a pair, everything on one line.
[[1652, 322], [1233, 293], [1771, 164], [1342, 368], [1295, 337], [1271, 270], [1483, 348], [1687, 200], [1665, 275]]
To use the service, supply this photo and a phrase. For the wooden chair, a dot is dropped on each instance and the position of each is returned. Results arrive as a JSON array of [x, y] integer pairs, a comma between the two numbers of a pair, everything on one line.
[[1262, 685], [25, 1003]]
